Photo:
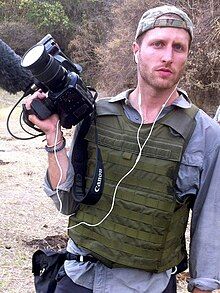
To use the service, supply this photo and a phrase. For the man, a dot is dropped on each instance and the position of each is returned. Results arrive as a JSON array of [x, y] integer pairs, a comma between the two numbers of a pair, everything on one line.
[[160, 157]]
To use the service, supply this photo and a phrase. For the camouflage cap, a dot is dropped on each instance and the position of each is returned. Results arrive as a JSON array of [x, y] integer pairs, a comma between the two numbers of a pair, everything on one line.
[[149, 20]]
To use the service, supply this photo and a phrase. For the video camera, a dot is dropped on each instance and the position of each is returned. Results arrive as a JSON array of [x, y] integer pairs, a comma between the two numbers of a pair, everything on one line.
[[58, 76]]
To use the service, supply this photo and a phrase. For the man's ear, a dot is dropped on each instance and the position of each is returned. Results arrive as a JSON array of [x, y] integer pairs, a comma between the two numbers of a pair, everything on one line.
[[135, 51]]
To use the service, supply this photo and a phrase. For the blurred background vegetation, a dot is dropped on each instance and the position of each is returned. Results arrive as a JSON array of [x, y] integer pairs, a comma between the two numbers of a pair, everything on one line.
[[98, 34]]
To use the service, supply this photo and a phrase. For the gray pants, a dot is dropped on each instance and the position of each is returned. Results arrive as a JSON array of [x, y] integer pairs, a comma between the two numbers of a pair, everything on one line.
[[66, 285]]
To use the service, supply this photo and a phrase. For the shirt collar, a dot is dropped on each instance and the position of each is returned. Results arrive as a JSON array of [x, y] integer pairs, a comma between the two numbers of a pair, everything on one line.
[[181, 101]]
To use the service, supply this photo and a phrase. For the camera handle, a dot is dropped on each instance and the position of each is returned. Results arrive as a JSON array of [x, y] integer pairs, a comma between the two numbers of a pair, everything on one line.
[[40, 109]]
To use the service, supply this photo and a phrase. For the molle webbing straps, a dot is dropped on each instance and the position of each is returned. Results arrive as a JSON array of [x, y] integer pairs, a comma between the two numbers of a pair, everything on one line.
[[79, 161], [146, 228]]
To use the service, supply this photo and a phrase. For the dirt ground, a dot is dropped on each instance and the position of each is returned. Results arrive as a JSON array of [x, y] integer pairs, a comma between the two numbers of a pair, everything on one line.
[[29, 219]]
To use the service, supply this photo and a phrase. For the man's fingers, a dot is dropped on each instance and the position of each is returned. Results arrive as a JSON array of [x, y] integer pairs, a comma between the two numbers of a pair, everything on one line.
[[37, 95]]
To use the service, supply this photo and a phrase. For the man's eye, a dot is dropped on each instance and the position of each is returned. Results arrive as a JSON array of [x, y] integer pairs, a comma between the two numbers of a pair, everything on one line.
[[158, 44], [178, 47]]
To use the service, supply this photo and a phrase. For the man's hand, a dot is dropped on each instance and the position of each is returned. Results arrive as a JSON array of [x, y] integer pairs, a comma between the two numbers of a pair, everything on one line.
[[49, 125]]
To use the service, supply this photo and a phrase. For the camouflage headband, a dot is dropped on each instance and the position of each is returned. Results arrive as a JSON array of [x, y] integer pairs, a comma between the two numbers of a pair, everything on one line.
[[149, 20]]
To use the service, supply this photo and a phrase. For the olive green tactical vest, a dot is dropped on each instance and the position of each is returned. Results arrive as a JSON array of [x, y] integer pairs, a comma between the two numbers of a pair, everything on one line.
[[146, 227]]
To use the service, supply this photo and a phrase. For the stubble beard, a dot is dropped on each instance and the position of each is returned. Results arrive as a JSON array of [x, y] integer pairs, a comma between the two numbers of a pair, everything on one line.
[[153, 80]]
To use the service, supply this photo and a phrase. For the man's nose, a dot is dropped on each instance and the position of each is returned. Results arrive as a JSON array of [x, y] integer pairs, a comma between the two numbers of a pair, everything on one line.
[[167, 55]]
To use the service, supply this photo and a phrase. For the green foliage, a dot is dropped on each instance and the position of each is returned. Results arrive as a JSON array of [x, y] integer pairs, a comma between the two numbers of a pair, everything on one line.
[[99, 34], [9, 10], [44, 14], [1, 5]]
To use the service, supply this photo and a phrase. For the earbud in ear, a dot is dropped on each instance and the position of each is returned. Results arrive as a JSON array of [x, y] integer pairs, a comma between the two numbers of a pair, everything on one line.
[[135, 58]]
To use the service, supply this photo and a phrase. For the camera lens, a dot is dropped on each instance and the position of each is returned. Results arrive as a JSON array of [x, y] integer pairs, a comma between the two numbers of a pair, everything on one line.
[[33, 56], [44, 67]]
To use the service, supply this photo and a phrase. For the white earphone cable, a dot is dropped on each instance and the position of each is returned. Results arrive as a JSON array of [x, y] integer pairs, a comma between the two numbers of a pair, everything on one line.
[[132, 168], [58, 164]]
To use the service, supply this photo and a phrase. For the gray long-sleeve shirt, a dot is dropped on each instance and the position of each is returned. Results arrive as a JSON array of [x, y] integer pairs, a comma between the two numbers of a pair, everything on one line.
[[198, 176]]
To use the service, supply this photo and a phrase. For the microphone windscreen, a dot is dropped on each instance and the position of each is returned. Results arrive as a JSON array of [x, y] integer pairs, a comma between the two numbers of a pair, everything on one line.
[[13, 77]]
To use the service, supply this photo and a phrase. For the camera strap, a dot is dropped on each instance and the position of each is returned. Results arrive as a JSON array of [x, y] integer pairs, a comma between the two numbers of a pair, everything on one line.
[[79, 161]]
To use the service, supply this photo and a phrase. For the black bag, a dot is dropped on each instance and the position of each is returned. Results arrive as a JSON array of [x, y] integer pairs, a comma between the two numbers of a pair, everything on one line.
[[45, 267]]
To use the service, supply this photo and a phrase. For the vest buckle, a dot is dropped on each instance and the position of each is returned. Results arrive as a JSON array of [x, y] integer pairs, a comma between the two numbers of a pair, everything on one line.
[[81, 258]]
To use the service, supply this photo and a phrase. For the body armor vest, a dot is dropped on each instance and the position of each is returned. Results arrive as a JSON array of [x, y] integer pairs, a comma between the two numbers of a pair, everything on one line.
[[146, 228]]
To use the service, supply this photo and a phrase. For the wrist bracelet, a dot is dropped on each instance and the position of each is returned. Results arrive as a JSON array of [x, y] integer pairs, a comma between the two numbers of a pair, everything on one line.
[[56, 148], [54, 145]]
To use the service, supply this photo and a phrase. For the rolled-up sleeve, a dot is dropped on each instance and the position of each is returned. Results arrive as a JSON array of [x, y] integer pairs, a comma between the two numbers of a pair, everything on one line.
[[204, 258]]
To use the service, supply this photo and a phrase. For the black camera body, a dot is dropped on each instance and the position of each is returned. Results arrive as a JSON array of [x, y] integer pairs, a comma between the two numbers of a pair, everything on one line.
[[58, 76]]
